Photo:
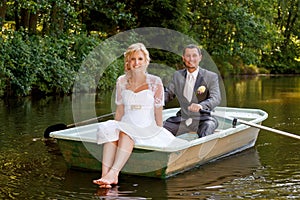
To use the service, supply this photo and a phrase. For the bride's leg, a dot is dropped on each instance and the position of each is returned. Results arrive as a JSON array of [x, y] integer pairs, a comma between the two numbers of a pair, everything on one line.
[[125, 146], [108, 157]]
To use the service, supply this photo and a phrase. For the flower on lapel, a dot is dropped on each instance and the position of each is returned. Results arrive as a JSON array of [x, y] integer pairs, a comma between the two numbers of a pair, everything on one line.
[[201, 89]]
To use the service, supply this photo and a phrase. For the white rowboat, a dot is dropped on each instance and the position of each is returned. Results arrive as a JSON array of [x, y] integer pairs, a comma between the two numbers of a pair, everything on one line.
[[80, 150]]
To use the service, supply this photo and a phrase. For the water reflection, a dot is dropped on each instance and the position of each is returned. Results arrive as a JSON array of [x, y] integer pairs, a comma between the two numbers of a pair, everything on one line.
[[208, 180], [198, 183]]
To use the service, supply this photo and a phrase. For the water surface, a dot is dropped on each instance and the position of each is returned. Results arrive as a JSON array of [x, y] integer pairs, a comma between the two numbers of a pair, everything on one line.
[[31, 168]]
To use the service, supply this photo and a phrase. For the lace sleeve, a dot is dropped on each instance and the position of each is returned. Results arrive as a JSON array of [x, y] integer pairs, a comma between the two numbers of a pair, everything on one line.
[[156, 86], [120, 86]]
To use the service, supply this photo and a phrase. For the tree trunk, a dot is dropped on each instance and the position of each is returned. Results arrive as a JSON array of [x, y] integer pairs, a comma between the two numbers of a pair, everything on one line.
[[45, 29], [54, 19], [16, 14], [290, 22], [2, 12], [24, 18], [33, 23]]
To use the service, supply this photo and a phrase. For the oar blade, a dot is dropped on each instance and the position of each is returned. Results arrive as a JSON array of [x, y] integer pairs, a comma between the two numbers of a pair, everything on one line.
[[56, 127]]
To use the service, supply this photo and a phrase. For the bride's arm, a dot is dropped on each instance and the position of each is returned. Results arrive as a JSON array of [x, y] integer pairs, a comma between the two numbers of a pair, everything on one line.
[[119, 112], [158, 100], [158, 115], [120, 85]]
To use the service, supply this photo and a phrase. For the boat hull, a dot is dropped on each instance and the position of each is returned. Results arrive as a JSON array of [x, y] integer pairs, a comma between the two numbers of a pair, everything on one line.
[[163, 163]]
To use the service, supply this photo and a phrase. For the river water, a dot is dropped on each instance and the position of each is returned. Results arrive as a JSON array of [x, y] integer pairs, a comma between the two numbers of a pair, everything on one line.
[[32, 168]]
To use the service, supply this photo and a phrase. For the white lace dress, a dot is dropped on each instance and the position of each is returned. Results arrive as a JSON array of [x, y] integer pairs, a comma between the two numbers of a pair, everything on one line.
[[138, 120]]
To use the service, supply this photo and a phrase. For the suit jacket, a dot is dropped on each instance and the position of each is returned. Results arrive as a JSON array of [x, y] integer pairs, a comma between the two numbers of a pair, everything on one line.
[[208, 100]]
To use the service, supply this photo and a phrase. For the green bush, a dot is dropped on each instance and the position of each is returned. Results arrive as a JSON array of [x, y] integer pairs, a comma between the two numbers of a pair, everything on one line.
[[48, 65], [16, 64]]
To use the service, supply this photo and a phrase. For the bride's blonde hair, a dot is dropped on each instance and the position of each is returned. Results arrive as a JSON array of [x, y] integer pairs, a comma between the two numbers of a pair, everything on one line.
[[131, 50]]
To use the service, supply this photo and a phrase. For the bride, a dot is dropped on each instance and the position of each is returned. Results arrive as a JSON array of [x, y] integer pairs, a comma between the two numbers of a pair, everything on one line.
[[138, 118]]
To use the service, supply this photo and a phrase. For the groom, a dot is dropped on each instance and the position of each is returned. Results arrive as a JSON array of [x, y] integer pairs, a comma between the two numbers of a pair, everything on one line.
[[196, 89]]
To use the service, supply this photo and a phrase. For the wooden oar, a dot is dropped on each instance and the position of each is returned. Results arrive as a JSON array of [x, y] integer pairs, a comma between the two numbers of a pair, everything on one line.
[[58, 127], [236, 120]]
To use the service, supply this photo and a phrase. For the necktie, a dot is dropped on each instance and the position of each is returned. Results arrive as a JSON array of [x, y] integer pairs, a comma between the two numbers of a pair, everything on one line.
[[188, 87], [188, 92]]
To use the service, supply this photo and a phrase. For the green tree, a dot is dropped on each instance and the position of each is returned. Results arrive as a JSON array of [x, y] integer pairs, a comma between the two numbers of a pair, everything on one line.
[[50, 17], [161, 13], [228, 29], [285, 55], [107, 17], [43, 42]]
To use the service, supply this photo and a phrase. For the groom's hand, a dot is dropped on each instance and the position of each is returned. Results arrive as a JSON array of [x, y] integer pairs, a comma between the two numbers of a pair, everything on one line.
[[194, 107]]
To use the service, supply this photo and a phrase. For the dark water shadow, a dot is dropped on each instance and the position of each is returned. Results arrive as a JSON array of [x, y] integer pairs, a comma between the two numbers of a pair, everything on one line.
[[206, 180]]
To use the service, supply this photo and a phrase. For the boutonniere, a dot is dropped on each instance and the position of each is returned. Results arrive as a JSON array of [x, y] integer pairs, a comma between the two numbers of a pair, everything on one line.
[[201, 89]]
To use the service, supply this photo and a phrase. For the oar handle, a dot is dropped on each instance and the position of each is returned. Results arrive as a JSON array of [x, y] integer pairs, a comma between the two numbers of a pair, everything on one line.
[[202, 111]]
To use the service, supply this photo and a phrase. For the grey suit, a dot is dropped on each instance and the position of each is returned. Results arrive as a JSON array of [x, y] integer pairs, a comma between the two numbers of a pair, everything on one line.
[[202, 124]]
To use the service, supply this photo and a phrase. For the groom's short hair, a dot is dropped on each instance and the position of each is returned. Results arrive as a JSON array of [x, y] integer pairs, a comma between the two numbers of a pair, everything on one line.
[[192, 46]]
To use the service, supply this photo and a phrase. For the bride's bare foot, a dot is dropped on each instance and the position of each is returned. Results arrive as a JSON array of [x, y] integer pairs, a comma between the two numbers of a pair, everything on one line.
[[100, 182], [109, 179]]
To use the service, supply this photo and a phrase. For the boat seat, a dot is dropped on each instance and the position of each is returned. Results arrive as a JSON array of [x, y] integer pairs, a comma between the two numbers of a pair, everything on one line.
[[188, 136], [192, 135]]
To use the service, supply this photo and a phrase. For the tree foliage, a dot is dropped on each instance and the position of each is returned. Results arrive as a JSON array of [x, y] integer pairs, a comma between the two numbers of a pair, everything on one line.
[[37, 64], [43, 42]]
